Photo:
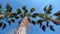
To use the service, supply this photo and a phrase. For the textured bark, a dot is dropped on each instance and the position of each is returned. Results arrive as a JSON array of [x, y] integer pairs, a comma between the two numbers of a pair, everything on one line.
[[22, 29]]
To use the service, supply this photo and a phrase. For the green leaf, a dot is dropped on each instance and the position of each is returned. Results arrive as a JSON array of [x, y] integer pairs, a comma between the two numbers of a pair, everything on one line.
[[17, 17], [41, 15], [51, 28], [4, 25], [32, 10], [40, 22], [21, 16], [9, 22], [57, 14], [49, 9], [19, 11], [0, 6], [45, 8], [24, 7], [43, 28], [35, 15], [25, 12], [47, 23], [8, 8], [1, 24], [12, 15], [33, 22], [13, 20], [0, 9], [57, 18], [29, 19]]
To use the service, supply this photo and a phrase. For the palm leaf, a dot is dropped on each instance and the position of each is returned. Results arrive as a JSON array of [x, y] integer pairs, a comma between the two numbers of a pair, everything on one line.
[[13, 20], [57, 14], [0, 9], [43, 28], [33, 22], [40, 22], [1, 24], [29, 20], [32, 10], [24, 7], [4, 25], [9, 22], [35, 15], [8, 7], [47, 23], [25, 13], [51, 28], [17, 17], [58, 18], [21, 16], [0, 6], [49, 9], [12, 15], [19, 11], [45, 8], [41, 15]]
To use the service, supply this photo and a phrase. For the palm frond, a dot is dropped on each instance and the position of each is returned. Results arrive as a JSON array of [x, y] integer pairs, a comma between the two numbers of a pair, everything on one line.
[[0, 9], [19, 11], [32, 10], [24, 8], [8, 8], [48, 10]]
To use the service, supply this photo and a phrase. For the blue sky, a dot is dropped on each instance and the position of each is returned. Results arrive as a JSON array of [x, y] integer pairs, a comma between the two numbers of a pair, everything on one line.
[[38, 5]]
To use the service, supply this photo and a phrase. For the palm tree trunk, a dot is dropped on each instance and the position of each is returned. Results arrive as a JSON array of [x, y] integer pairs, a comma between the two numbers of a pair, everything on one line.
[[22, 29]]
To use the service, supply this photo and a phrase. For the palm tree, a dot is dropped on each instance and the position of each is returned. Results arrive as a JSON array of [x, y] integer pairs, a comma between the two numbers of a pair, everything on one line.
[[24, 23]]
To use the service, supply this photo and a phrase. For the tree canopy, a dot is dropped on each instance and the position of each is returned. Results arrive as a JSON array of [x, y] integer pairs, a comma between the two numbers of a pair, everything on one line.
[[10, 16]]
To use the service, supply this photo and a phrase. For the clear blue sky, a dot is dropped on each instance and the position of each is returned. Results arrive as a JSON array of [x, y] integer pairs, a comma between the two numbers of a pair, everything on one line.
[[38, 5]]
